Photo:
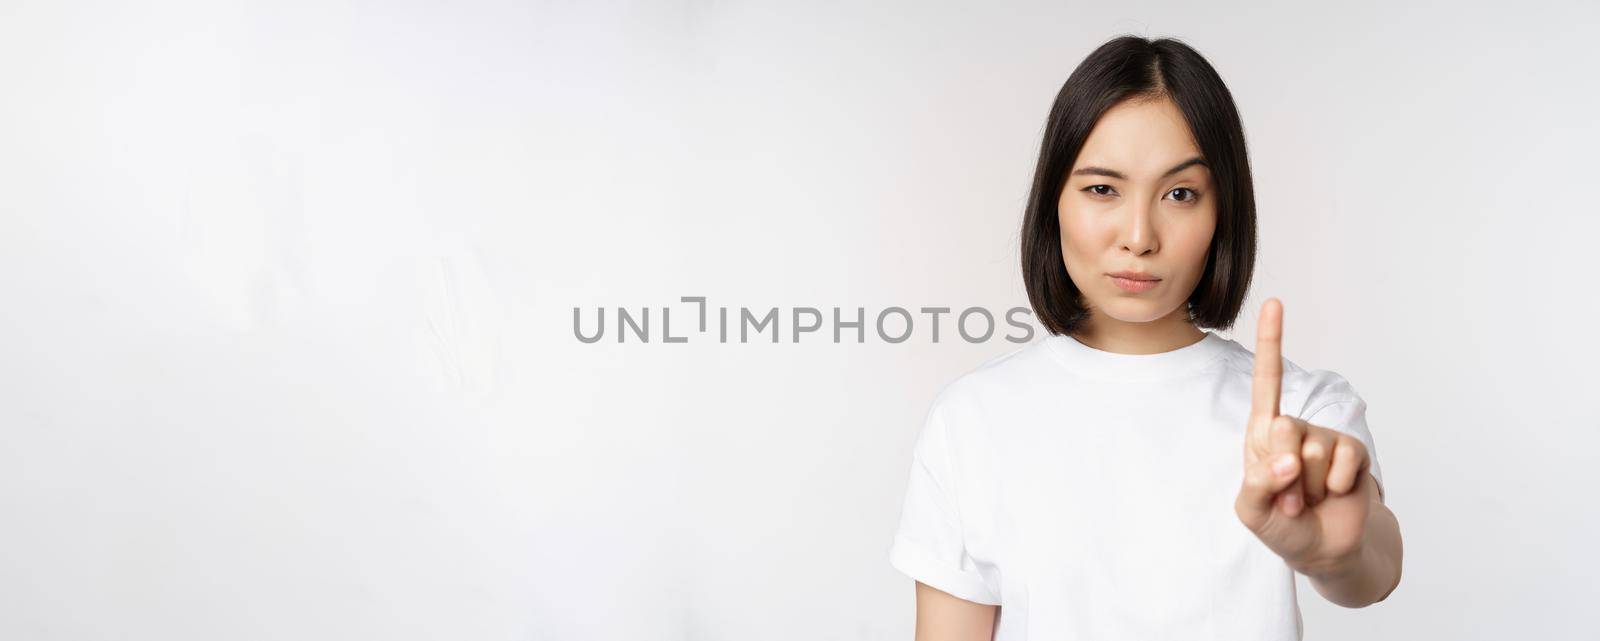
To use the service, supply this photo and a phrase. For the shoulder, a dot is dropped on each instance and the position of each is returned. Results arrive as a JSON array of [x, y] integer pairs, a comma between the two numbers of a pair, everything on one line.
[[1304, 390], [1002, 379], [1004, 374]]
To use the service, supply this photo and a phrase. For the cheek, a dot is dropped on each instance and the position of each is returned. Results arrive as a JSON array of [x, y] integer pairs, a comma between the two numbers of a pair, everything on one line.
[[1080, 233], [1198, 236], [1194, 241]]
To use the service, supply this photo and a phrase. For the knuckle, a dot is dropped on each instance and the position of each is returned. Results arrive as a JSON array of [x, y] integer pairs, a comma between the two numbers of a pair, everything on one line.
[[1354, 446], [1243, 512], [1253, 478]]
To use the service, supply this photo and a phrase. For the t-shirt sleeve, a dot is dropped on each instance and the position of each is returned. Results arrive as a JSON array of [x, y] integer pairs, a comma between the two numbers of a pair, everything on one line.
[[928, 544], [1347, 413]]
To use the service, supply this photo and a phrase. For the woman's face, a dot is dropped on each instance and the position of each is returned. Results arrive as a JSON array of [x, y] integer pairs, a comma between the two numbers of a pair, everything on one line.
[[1138, 199]]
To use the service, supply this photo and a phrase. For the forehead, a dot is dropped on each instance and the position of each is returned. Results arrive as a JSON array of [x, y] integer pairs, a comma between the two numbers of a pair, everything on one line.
[[1139, 137]]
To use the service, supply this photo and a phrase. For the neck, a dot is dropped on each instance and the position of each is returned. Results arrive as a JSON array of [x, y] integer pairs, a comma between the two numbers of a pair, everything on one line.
[[1165, 334]]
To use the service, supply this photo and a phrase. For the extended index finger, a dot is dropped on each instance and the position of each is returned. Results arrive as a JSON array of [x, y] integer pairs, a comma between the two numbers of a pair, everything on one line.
[[1268, 379]]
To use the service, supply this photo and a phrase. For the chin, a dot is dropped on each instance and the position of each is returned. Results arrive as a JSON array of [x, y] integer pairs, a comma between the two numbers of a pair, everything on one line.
[[1136, 311]]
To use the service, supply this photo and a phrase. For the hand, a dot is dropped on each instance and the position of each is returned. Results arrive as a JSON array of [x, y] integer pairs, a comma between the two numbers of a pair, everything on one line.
[[1305, 492]]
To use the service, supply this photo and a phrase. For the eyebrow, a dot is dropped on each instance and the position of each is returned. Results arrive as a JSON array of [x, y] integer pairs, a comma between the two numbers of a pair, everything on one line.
[[1102, 171]]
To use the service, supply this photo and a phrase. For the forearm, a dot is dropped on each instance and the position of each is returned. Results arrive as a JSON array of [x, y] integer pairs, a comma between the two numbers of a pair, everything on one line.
[[1369, 575]]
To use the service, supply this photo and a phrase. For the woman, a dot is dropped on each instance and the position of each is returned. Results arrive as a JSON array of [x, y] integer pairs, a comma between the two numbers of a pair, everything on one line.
[[1090, 484]]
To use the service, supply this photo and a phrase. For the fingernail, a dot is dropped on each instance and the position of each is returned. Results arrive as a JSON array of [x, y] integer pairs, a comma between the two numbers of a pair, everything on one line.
[[1284, 465], [1291, 504]]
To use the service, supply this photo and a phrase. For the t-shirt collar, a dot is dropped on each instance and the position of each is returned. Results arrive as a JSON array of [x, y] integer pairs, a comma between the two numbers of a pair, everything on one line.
[[1098, 364]]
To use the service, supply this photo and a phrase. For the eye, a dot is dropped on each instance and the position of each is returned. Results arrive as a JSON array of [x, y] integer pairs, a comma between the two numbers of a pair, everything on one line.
[[1100, 190], [1184, 194]]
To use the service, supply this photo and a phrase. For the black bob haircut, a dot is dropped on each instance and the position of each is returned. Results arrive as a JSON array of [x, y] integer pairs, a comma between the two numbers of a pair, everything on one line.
[[1134, 67]]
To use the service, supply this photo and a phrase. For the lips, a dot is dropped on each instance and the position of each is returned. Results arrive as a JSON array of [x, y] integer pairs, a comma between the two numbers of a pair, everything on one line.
[[1134, 282]]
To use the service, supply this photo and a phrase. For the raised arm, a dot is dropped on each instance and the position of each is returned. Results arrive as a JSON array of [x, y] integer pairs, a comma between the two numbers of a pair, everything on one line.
[[1308, 493]]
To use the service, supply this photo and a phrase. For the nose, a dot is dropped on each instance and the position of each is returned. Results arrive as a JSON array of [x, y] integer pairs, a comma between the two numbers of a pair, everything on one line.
[[1137, 233]]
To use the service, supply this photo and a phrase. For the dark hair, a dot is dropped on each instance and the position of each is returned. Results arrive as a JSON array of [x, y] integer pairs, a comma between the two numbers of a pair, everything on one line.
[[1129, 67]]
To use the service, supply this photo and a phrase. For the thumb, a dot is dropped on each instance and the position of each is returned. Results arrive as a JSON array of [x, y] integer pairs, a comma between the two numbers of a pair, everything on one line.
[[1262, 480]]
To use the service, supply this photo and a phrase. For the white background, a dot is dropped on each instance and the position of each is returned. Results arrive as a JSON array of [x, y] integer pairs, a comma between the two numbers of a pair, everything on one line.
[[287, 291]]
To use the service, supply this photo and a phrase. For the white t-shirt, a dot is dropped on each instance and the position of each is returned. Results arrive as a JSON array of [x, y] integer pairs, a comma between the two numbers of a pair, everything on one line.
[[1090, 494]]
